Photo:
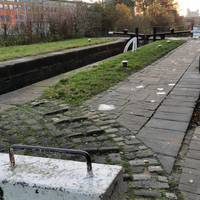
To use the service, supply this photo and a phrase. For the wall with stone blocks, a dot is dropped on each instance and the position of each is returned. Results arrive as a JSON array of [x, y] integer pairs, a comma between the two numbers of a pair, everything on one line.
[[25, 71]]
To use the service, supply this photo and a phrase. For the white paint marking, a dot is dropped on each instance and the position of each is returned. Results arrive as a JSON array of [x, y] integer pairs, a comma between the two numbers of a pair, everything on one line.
[[171, 84], [161, 93], [105, 107], [139, 86], [191, 181]]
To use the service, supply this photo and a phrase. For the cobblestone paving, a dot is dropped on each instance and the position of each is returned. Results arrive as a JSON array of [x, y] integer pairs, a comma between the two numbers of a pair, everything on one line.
[[143, 133], [49, 123]]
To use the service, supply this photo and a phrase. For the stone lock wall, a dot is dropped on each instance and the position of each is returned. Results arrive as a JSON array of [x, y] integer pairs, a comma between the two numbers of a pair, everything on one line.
[[25, 71]]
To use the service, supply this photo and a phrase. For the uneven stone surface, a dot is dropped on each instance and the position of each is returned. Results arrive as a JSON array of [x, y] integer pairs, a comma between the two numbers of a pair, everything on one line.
[[143, 134], [189, 182], [157, 103], [53, 123]]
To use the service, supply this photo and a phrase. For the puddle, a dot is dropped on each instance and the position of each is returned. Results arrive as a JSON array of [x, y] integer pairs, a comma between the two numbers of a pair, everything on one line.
[[105, 107], [140, 86]]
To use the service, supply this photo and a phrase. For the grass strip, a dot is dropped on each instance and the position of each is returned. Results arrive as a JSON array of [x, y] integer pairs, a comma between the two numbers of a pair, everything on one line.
[[13, 52], [85, 84]]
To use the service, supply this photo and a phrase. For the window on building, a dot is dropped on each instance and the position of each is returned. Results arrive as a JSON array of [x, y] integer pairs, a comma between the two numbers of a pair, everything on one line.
[[15, 7], [6, 7], [11, 7]]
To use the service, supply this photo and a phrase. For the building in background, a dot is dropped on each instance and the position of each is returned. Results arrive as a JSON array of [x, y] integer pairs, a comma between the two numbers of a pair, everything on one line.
[[192, 18], [192, 13], [13, 11]]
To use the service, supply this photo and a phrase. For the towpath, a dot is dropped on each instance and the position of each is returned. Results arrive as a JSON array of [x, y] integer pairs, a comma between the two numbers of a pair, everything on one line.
[[140, 123]]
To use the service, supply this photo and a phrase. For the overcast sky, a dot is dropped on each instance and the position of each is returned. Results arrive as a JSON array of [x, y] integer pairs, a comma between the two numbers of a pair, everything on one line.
[[183, 5], [191, 4]]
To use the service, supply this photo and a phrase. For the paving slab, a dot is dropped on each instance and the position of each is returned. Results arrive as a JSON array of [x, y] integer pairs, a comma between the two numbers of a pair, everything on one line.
[[4, 107], [167, 162], [162, 141], [192, 163], [195, 145], [189, 183], [172, 116], [189, 171], [190, 196], [167, 124], [175, 109], [186, 98], [179, 103]]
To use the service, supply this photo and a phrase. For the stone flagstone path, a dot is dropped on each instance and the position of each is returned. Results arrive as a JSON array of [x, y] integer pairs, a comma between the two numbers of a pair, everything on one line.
[[157, 103], [189, 183]]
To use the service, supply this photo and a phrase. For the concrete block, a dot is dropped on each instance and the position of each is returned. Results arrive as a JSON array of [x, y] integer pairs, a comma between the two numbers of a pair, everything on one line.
[[36, 178]]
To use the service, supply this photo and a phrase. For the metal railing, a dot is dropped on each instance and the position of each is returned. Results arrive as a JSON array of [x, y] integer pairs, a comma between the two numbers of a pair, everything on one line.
[[153, 36], [51, 150]]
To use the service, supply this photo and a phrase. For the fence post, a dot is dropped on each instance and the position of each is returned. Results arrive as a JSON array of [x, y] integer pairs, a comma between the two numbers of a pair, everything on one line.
[[162, 37], [125, 31], [5, 30], [172, 30], [192, 30], [137, 35], [146, 39], [154, 33]]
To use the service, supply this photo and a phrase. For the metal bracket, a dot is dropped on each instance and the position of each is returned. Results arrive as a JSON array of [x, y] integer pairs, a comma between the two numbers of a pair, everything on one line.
[[51, 150]]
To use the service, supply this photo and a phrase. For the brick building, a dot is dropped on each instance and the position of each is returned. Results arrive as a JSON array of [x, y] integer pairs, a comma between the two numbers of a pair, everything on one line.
[[17, 11], [13, 11]]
